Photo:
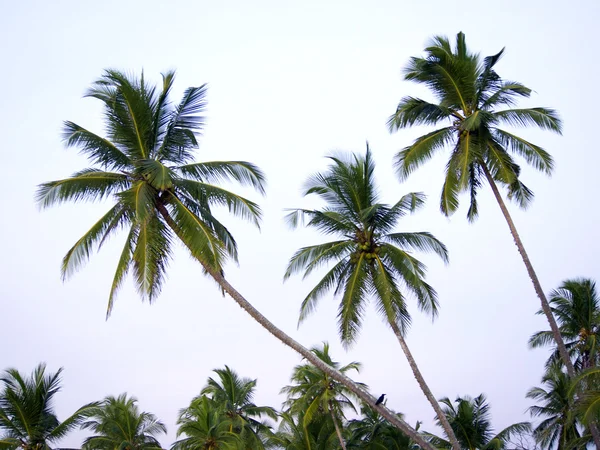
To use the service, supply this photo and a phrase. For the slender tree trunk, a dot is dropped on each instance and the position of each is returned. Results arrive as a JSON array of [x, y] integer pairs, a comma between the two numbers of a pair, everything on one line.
[[532, 275], [307, 354], [423, 385], [562, 349], [337, 428]]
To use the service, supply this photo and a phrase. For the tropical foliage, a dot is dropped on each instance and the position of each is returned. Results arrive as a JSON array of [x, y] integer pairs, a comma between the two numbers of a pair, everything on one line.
[[27, 416], [470, 419], [118, 423]]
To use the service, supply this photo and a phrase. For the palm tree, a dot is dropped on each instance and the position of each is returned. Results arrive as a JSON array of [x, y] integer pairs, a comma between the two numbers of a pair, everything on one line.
[[576, 306], [235, 394], [119, 424], [470, 99], [315, 394], [373, 432], [27, 417], [370, 261], [292, 434], [471, 421], [559, 427], [145, 165], [203, 425]]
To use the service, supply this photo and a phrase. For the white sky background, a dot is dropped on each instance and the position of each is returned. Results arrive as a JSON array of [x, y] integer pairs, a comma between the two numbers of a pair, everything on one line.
[[289, 82]]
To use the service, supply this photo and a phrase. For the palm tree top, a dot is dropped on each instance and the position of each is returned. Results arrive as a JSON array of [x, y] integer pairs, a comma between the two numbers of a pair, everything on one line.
[[27, 416], [369, 259], [473, 102], [145, 165], [119, 423]]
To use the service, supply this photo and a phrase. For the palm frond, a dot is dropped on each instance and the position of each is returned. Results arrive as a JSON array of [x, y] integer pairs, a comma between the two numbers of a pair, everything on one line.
[[536, 156], [97, 149], [421, 240], [80, 252], [544, 118], [243, 172], [212, 195], [414, 111], [315, 256], [411, 158], [85, 185]]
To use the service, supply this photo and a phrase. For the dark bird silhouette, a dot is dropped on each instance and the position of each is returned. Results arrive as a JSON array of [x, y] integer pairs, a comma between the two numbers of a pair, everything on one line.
[[379, 400]]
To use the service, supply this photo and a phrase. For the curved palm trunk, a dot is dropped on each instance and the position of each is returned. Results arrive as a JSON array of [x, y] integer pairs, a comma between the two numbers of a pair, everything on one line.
[[307, 354], [562, 349], [337, 428], [423, 385], [532, 275]]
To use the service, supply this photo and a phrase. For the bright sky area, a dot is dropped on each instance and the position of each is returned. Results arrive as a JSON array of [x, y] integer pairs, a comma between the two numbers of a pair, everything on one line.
[[289, 82]]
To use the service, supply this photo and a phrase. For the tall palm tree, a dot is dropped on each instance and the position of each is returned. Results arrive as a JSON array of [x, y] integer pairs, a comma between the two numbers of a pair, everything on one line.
[[370, 260], [27, 416], [145, 165], [234, 394], [119, 424], [373, 432], [474, 103], [576, 306], [471, 421], [315, 394], [559, 427], [204, 428]]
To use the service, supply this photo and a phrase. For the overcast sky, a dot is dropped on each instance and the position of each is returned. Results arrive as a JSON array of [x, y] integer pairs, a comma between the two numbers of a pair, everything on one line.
[[289, 82]]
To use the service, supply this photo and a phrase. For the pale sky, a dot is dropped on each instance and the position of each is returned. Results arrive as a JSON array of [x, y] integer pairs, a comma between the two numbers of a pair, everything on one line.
[[289, 82]]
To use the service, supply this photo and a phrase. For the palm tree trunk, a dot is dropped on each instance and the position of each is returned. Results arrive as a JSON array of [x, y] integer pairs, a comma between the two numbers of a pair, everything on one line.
[[532, 275], [337, 428], [423, 385], [308, 355], [562, 349]]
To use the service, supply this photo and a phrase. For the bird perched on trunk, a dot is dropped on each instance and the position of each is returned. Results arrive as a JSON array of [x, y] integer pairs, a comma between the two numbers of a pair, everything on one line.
[[380, 400]]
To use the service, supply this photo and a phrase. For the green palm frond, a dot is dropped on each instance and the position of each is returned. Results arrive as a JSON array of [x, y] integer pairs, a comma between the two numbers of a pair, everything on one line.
[[533, 154], [199, 239], [85, 185], [151, 256], [450, 189], [217, 171], [415, 111], [411, 158], [334, 278], [412, 273], [99, 150], [421, 240], [213, 195], [352, 306], [315, 256], [544, 118], [123, 266], [186, 120], [80, 252]]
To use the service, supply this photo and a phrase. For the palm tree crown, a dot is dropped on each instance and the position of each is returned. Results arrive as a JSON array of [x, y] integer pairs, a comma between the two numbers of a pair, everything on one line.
[[470, 419], [470, 96], [576, 306], [27, 417], [145, 164], [369, 258], [234, 395], [556, 408], [119, 424]]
